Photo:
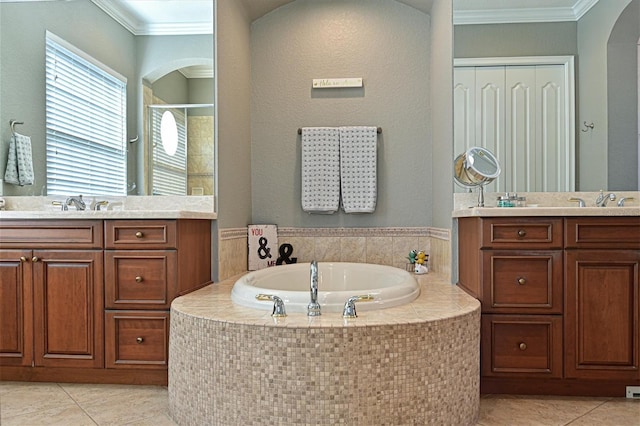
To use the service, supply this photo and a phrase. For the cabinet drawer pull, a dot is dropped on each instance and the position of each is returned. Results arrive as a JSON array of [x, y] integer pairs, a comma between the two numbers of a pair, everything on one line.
[[23, 259], [139, 234], [522, 346], [522, 233], [138, 279], [35, 259], [140, 340], [522, 281]]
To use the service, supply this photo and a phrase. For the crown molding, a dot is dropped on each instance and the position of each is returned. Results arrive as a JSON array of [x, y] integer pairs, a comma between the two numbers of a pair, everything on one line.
[[523, 15], [197, 72], [135, 27]]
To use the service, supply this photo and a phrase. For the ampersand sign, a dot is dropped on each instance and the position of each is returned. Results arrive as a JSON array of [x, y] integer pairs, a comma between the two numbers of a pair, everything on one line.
[[263, 250], [285, 251]]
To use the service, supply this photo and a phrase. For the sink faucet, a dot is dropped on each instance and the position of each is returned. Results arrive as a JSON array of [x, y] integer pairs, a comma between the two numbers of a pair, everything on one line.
[[78, 202], [603, 199], [313, 309]]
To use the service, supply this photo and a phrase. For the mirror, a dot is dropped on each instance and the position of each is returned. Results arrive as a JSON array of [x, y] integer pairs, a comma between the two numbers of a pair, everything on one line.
[[143, 53], [602, 38], [476, 167]]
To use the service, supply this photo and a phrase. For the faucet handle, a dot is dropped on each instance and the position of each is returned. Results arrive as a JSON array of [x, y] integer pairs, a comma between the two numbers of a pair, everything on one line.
[[350, 305], [623, 199], [580, 201], [278, 304]]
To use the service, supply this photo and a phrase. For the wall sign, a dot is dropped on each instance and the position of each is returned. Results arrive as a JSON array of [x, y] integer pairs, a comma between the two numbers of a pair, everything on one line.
[[330, 83], [263, 241]]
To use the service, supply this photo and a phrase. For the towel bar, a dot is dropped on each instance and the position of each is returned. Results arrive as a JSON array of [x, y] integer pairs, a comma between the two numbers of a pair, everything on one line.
[[378, 130]]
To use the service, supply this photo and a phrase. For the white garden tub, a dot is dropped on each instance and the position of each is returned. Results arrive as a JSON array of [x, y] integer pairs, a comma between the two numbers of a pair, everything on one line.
[[337, 281]]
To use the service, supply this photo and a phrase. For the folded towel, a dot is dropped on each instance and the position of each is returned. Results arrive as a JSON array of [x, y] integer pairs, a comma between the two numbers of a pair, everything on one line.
[[358, 149], [19, 163], [320, 170]]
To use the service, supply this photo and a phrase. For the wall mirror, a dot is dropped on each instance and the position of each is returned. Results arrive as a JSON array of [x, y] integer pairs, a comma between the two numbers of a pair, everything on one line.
[[602, 38], [165, 49]]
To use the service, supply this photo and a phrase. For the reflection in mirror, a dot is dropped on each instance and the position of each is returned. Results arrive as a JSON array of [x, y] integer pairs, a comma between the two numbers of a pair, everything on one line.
[[180, 146]]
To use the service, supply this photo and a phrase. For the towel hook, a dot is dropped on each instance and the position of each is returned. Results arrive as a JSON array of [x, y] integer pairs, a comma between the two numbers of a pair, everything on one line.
[[12, 124]]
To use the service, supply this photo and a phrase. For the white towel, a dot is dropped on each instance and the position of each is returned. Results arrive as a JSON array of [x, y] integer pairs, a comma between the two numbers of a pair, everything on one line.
[[358, 161], [19, 163], [320, 170]]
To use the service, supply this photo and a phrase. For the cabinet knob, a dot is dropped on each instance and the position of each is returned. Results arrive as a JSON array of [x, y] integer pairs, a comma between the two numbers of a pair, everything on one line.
[[522, 346], [138, 279], [139, 234], [35, 259], [522, 281], [522, 233], [23, 259], [140, 340]]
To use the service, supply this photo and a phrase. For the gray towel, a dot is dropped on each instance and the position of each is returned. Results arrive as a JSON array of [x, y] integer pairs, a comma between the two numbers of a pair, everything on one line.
[[19, 163], [358, 163], [320, 170]]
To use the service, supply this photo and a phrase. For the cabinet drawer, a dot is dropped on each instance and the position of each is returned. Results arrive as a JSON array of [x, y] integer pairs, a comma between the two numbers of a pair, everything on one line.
[[522, 233], [140, 234], [35, 234], [522, 345], [525, 282], [141, 279], [136, 339], [603, 232]]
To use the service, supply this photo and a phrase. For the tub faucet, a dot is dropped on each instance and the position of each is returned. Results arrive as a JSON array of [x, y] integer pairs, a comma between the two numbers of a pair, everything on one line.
[[78, 202], [313, 309], [603, 199]]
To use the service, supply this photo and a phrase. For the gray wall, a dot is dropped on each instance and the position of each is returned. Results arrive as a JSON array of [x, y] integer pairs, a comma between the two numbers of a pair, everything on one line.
[[234, 114], [441, 113], [385, 42], [622, 76]]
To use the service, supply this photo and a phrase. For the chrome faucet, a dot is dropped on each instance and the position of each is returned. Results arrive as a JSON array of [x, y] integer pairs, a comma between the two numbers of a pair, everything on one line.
[[603, 199], [78, 202], [313, 309]]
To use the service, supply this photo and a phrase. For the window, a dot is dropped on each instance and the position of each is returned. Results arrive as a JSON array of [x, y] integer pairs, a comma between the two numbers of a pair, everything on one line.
[[169, 164], [85, 123]]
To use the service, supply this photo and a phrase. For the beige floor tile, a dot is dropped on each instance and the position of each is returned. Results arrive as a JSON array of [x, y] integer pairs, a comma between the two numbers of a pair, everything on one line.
[[87, 393], [512, 410], [619, 412], [131, 407], [19, 399], [61, 416]]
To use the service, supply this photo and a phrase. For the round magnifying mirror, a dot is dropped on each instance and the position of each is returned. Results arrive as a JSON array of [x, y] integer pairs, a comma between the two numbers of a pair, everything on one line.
[[477, 166], [169, 133]]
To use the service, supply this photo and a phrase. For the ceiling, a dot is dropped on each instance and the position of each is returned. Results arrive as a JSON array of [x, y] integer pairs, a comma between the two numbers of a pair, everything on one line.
[[162, 17]]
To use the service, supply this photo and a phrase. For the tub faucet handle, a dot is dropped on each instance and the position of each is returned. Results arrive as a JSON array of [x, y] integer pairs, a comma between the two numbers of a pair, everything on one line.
[[350, 305], [278, 304]]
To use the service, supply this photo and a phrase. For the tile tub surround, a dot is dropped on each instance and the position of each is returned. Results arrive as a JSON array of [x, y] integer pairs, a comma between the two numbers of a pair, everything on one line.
[[412, 364], [384, 246]]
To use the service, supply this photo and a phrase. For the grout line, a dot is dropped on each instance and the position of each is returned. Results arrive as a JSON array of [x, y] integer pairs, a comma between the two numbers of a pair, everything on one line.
[[588, 412], [77, 403]]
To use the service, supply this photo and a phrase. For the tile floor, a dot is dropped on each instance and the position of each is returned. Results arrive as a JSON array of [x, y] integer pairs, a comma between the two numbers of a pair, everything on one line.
[[33, 404]]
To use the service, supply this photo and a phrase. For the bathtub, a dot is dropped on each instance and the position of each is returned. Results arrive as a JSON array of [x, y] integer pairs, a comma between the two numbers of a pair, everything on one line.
[[337, 281]]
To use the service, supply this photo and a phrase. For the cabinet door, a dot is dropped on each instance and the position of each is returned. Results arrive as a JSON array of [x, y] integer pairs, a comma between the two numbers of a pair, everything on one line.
[[16, 302], [602, 308], [68, 308], [522, 346]]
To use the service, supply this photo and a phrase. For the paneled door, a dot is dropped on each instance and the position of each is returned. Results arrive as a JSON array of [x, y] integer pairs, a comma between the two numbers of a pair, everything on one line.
[[522, 109]]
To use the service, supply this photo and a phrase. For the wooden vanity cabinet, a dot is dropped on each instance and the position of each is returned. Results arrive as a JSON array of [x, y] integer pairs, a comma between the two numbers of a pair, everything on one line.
[[148, 264], [602, 301], [560, 302], [88, 300], [52, 299]]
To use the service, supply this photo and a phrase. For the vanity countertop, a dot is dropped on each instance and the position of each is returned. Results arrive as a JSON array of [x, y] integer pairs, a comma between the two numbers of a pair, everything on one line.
[[138, 207], [547, 204]]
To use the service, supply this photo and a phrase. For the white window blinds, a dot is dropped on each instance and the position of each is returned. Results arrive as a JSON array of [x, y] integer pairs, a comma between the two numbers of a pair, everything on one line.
[[85, 123], [169, 172]]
